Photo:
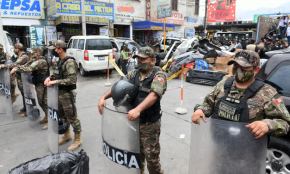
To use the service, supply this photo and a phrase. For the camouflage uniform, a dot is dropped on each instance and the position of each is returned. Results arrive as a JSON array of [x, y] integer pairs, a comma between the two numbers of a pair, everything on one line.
[[40, 66], [66, 107], [150, 132], [266, 105]]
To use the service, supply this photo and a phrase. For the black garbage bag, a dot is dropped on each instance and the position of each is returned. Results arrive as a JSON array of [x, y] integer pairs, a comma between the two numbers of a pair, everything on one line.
[[60, 163]]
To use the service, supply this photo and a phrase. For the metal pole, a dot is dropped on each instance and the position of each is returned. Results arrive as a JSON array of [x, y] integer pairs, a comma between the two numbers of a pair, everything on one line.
[[84, 19], [205, 17], [164, 36]]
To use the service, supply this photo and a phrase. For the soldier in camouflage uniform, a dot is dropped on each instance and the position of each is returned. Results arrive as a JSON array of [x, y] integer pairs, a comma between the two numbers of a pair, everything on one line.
[[151, 80], [3, 58], [267, 111], [67, 94], [40, 66], [22, 59]]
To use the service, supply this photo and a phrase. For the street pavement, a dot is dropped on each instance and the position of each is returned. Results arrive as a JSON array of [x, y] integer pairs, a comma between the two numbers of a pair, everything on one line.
[[19, 143]]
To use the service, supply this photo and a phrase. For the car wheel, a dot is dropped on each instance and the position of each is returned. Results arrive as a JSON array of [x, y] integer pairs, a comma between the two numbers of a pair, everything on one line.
[[278, 156], [83, 72]]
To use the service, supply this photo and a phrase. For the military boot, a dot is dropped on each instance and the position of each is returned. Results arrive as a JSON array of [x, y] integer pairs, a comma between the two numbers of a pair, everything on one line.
[[23, 115], [44, 120], [77, 142], [23, 110], [45, 127], [143, 170], [66, 137]]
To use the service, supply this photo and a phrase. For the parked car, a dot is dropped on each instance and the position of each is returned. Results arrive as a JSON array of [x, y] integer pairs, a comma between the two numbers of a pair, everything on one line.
[[8, 46], [90, 52], [283, 51], [276, 73], [168, 41]]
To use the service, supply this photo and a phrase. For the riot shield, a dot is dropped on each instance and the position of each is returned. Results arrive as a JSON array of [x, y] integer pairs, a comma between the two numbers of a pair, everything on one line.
[[7, 87], [33, 114], [121, 143], [2, 93], [49, 57], [53, 115], [226, 147]]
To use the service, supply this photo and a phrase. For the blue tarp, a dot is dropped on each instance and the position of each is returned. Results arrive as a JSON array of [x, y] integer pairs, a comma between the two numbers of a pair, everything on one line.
[[147, 25]]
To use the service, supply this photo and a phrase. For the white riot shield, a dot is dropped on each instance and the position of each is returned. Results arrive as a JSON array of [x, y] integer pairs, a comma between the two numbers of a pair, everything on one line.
[[7, 86], [49, 57], [53, 115], [32, 111], [2, 93], [121, 143], [226, 147]]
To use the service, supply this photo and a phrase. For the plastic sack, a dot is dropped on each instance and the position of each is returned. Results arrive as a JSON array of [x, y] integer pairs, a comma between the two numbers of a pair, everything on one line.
[[60, 163], [201, 64]]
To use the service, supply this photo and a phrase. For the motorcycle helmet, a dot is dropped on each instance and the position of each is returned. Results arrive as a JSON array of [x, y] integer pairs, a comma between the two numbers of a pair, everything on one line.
[[62, 126], [124, 90]]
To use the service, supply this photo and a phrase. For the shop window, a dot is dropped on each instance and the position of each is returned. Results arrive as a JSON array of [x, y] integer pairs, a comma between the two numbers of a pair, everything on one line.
[[70, 43], [174, 5], [98, 44], [75, 45], [81, 44]]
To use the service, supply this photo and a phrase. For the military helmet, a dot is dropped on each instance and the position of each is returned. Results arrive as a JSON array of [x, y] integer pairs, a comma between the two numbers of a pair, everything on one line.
[[1, 46], [37, 50], [122, 89]]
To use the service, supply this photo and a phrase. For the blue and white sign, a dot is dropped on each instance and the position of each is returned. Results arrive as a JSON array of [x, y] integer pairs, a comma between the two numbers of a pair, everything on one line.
[[92, 8], [32, 9], [189, 32], [163, 9], [36, 36]]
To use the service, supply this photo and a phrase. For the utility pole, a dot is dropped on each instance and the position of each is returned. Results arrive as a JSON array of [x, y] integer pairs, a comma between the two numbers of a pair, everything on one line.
[[84, 19], [205, 16]]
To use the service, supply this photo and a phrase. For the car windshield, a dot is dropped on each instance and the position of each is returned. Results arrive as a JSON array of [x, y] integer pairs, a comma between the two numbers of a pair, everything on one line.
[[98, 44], [279, 80], [130, 45]]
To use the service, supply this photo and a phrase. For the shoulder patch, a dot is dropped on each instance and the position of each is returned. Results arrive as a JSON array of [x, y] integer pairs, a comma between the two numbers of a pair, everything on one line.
[[279, 100], [159, 79]]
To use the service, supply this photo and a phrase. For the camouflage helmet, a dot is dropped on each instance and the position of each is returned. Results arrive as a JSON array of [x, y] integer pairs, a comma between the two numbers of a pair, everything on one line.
[[19, 46], [145, 52], [246, 58], [37, 50], [1, 46], [58, 44]]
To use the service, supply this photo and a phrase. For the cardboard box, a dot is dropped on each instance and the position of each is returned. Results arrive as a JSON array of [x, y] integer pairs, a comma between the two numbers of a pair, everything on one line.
[[184, 74], [212, 68], [238, 50], [221, 64], [210, 60]]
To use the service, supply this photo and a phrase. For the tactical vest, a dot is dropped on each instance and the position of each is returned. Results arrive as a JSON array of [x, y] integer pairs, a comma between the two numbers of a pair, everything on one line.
[[232, 109], [59, 75], [3, 58], [153, 113], [40, 78]]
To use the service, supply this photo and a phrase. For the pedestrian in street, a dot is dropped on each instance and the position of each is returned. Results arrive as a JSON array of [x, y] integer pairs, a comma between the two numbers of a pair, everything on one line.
[[22, 59], [251, 100], [152, 85], [3, 59], [264, 50], [65, 76], [283, 25], [287, 34], [252, 46], [39, 69], [125, 56]]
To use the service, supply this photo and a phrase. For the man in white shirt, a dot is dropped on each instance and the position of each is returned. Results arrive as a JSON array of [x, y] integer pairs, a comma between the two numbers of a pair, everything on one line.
[[283, 25]]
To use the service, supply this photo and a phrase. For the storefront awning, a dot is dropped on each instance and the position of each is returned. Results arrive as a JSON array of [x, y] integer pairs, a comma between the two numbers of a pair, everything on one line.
[[148, 25], [68, 20]]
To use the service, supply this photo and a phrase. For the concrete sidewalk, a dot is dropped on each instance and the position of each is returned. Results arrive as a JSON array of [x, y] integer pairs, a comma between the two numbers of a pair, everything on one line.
[[19, 143]]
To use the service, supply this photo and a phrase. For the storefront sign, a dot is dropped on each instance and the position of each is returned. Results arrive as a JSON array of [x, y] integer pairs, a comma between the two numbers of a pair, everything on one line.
[[51, 34], [163, 8], [104, 31], [176, 18], [97, 20], [32, 9], [51, 7], [221, 11], [189, 32], [67, 20], [148, 10], [36, 36], [126, 11], [100, 9], [256, 17]]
